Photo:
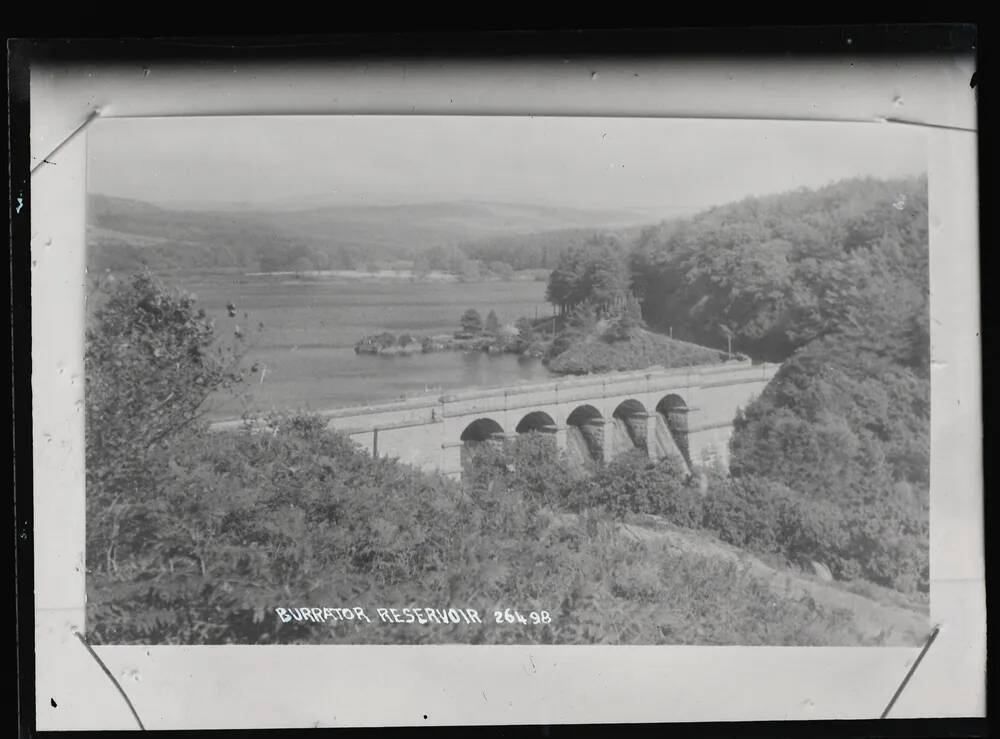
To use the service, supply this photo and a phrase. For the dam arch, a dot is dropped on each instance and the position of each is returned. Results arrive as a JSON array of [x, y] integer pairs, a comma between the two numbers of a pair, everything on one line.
[[586, 423], [674, 410], [480, 431], [632, 416], [584, 414], [536, 421]]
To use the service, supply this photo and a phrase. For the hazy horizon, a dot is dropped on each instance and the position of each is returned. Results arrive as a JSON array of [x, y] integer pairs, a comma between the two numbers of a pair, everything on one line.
[[650, 167]]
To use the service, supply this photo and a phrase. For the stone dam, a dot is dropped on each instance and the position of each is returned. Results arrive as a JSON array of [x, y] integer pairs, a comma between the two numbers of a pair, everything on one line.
[[685, 413]]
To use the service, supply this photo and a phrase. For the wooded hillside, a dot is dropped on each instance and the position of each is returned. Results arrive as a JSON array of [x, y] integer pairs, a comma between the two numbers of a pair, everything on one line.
[[783, 270], [834, 283]]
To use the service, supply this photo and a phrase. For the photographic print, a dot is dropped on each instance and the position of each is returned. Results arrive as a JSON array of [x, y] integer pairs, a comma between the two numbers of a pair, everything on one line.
[[506, 380]]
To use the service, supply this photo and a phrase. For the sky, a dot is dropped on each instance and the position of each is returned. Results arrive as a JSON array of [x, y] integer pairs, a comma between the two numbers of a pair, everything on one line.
[[594, 163]]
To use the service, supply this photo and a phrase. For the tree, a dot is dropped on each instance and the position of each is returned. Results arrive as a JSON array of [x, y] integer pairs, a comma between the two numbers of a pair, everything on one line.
[[445, 258], [492, 323], [525, 329], [566, 282], [348, 257], [582, 319], [471, 321], [595, 271], [501, 269], [629, 320], [151, 361], [580, 325], [607, 278], [150, 365]]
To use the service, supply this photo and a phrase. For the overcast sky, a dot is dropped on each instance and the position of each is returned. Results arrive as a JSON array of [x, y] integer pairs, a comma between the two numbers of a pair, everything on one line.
[[583, 162]]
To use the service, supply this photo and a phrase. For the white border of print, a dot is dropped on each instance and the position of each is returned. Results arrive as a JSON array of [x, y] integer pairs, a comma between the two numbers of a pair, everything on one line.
[[243, 686]]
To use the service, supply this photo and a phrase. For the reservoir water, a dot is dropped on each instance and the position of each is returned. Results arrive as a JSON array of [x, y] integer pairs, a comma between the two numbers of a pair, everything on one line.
[[318, 378], [301, 334]]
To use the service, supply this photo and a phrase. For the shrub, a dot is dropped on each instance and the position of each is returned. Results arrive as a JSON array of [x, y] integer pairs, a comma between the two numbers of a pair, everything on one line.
[[744, 513], [529, 464], [261, 516], [492, 325], [811, 530], [631, 483], [384, 340], [525, 329], [885, 542], [627, 322]]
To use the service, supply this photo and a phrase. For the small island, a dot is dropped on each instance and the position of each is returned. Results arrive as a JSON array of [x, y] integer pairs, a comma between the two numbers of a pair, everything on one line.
[[474, 334], [585, 340]]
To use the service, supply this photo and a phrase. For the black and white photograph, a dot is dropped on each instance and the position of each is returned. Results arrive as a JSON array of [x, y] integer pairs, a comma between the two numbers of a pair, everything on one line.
[[370, 386], [506, 380]]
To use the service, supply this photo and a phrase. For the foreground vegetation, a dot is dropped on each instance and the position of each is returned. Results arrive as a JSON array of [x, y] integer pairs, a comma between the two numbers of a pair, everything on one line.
[[236, 525], [752, 512]]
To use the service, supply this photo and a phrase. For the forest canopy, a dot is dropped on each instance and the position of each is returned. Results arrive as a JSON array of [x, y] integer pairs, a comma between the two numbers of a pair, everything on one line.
[[783, 270]]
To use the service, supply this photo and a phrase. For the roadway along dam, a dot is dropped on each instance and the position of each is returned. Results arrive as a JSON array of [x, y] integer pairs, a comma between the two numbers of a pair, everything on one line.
[[685, 413]]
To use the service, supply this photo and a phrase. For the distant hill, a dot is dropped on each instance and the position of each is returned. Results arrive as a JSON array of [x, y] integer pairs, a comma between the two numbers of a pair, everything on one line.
[[120, 228], [438, 224]]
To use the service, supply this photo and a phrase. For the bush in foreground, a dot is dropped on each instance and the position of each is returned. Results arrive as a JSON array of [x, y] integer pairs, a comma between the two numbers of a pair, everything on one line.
[[242, 523], [881, 540]]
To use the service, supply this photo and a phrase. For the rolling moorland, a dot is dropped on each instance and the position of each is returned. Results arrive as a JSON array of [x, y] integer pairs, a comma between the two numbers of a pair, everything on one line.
[[124, 234], [193, 537]]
